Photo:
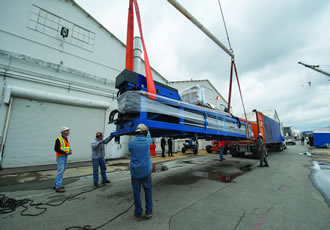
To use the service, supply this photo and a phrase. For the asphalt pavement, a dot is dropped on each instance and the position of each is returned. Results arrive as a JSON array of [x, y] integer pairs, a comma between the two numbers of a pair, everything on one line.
[[197, 192]]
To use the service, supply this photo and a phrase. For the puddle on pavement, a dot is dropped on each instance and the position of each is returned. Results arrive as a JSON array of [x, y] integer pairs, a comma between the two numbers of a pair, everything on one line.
[[158, 167], [188, 162], [320, 178], [217, 177], [214, 172]]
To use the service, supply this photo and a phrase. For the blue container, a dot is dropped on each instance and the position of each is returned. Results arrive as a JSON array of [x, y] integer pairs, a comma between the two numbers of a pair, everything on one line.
[[322, 138]]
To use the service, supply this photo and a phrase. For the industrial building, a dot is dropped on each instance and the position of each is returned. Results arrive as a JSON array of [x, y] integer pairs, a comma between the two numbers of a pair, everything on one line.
[[57, 68]]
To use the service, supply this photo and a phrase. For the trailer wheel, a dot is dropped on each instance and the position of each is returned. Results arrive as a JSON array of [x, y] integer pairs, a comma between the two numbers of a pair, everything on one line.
[[183, 150], [208, 148]]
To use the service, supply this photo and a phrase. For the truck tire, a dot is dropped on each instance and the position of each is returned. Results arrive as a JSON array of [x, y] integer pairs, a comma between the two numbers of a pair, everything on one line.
[[183, 150], [208, 148]]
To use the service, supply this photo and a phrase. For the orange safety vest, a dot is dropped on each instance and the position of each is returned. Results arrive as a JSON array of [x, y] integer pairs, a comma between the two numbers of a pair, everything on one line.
[[64, 146]]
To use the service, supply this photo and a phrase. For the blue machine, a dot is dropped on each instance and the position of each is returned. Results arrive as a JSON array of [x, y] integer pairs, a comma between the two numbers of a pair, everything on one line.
[[167, 116]]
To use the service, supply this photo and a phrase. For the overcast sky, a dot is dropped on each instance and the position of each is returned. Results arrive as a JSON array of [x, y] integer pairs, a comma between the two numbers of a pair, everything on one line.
[[268, 39]]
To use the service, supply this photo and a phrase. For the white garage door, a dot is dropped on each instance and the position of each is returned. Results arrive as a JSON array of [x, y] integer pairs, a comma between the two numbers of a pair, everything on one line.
[[33, 128]]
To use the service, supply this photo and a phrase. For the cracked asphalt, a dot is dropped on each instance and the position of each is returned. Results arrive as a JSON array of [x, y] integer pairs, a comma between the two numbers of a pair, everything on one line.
[[192, 193]]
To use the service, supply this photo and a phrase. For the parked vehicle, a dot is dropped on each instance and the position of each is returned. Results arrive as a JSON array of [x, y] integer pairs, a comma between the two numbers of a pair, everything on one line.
[[215, 147], [270, 130], [290, 141], [190, 145]]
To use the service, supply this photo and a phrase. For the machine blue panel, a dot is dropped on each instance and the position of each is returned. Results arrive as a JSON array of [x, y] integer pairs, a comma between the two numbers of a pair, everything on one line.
[[167, 115]]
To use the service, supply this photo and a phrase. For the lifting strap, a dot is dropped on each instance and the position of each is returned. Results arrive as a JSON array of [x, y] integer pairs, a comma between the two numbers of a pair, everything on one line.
[[129, 38], [129, 52], [233, 66], [230, 85]]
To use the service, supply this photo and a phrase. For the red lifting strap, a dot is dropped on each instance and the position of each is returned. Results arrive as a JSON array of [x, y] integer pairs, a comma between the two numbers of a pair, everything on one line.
[[230, 85], [129, 48], [233, 66], [129, 38]]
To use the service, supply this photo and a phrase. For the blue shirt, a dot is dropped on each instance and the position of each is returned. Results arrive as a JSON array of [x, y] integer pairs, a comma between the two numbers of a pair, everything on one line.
[[140, 156]]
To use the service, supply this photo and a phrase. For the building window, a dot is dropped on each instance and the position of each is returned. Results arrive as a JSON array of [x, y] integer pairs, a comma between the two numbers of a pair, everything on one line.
[[51, 25]]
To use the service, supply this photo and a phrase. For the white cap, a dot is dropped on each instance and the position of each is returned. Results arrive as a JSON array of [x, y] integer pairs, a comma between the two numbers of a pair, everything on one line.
[[141, 127], [64, 129]]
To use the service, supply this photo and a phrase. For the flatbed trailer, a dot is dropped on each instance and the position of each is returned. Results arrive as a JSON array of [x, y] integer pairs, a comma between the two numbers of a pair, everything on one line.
[[166, 115]]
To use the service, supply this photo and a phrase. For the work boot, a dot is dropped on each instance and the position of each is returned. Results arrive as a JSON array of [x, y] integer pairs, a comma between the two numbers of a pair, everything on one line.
[[54, 187], [106, 182], [260, 166], [96, 184], [60, 190], [148, 216], [266, 165], [138, 218]]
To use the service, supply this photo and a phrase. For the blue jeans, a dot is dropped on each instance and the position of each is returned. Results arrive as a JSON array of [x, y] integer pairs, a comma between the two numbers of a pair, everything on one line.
[[61, 166], [221, 153], [99, 162], [147, 186]]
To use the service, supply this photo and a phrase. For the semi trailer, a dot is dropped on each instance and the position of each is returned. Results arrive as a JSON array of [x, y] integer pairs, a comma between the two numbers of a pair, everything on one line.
[[269, 128]]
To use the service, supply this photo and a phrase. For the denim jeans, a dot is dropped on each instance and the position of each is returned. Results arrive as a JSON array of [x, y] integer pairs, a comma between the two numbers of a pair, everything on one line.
[[99, 162], [146, 183], [221, 153], [61, 166]]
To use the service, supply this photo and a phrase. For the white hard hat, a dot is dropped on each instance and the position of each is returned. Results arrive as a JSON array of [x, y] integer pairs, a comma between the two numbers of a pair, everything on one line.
[[141, 127], [64, 129], [260, 134]]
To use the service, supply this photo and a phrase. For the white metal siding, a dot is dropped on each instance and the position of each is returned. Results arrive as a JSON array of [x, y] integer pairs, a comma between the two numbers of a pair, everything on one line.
[[34, 125]]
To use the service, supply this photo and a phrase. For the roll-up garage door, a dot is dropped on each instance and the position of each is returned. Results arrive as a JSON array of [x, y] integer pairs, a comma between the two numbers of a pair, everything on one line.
[[34, 125]]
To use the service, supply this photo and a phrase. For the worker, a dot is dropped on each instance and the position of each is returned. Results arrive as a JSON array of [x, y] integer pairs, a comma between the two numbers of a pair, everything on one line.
[[170, 153], [302, 140], [221, 145], [98, 158], [62, 149], [261, 148], [141, 168], [163, 144]]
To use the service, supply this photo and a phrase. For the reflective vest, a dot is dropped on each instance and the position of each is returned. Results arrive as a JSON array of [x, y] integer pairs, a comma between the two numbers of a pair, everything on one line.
[[64, 146]]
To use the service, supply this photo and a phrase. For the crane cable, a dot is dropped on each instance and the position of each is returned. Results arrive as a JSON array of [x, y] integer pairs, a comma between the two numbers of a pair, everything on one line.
[[224, 23], [233, 67]]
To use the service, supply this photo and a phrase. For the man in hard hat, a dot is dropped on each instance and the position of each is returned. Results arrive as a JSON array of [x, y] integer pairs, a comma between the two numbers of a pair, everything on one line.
[[261, 148], [98, 158], [62, 149], [141, 168]]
